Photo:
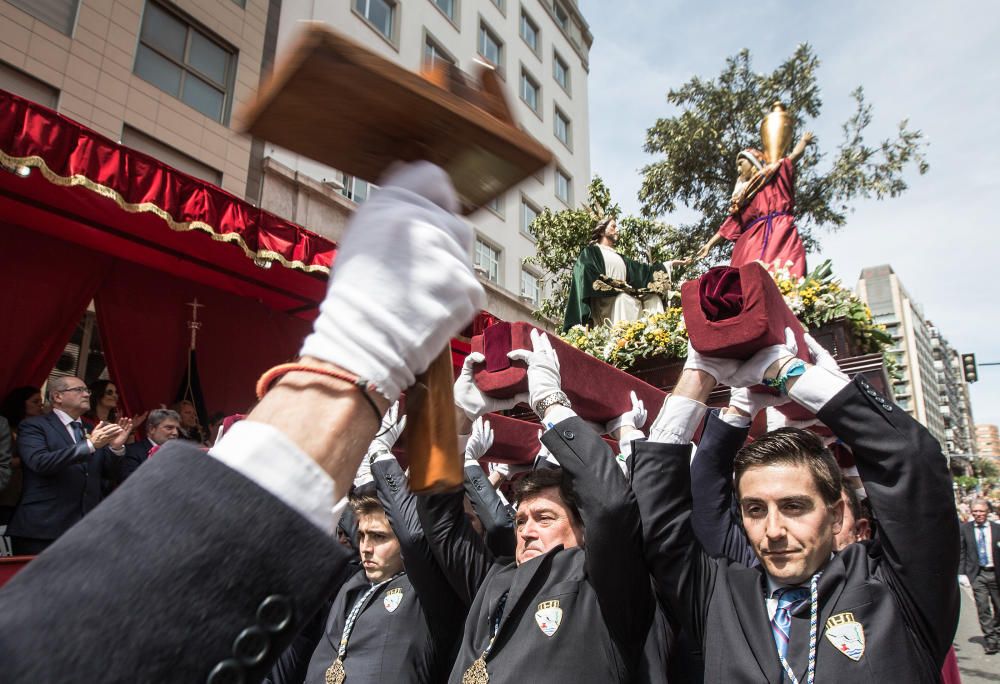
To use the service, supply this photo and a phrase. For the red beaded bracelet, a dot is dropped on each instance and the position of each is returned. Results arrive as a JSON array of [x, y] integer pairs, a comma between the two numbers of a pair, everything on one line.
[[271, 376]]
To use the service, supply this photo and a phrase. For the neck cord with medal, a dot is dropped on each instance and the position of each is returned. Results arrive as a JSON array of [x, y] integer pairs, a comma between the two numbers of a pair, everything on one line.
[[477, 674], [813, 629], [336, 674]]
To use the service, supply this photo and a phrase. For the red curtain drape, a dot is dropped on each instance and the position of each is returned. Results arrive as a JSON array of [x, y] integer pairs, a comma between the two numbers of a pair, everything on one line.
[[143, 317], [49, 284]]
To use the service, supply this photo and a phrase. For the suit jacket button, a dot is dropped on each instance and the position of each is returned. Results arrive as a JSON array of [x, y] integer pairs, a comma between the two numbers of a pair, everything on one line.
[[226, 672], [568, 434], [251, 646], [275, 613], [888, 408]]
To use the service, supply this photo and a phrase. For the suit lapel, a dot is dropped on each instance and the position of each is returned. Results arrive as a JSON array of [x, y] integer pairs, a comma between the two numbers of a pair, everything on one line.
[[831, 586], [749, 602], [60, 429], [525, 579]]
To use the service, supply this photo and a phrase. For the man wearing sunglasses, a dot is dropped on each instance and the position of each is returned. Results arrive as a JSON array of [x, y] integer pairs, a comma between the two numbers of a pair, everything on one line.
[[63, 466]]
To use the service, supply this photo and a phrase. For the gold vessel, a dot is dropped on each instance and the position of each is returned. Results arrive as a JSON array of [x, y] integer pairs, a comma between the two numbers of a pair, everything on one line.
[[776, 133]]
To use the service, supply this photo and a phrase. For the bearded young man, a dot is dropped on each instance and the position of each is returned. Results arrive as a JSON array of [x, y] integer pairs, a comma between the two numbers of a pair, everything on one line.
[[868, 613]]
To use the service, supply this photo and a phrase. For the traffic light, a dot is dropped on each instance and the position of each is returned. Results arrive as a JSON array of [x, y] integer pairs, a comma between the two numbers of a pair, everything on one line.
[[969, 367]]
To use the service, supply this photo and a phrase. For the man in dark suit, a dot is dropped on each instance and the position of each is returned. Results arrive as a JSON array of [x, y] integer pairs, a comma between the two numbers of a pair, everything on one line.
[[63, 466], [980, 543], [864, 614], [162, 425], [576, 599]]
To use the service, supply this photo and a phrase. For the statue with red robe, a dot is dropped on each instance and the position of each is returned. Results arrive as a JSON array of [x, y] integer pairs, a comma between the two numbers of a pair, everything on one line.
[[762, 221]]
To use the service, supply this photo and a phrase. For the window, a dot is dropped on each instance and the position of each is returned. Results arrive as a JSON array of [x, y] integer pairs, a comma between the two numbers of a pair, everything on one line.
[[531, 287], [488, 260], [186, 62], [499, 4], [448, 7], [529, 31], [434, 53], [490, 47], [529, 212], [59, 14], [564, 186], [497, 205], [241, 3], [20, 83], [137, 140], [562, 127], [355, 189], [381, 14], [562, 16], [529, 90], [560, 71]]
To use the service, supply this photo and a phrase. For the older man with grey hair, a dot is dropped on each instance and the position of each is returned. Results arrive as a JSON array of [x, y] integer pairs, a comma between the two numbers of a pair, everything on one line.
[[162, 425]]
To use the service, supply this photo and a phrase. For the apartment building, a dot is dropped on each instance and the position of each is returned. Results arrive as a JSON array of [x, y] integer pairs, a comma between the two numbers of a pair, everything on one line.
[[931, 386], [988, 441], [539, 48]]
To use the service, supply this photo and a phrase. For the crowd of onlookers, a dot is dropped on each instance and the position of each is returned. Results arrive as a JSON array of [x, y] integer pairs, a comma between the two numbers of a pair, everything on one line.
[[50, 475]]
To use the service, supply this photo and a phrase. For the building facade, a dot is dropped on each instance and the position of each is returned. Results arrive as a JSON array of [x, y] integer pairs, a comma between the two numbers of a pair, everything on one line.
[[988, 441], [163, 77], [540, 50], [930, 383]]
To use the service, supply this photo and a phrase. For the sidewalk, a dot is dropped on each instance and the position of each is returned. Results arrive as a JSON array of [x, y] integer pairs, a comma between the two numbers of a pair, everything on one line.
[[975, 665]]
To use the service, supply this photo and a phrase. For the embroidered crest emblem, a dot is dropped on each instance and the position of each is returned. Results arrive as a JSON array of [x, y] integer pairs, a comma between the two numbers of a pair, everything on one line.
[[392, 598], [548, 616], [847, 635]]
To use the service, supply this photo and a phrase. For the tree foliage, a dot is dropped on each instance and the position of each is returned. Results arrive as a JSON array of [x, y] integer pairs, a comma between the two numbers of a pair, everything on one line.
[[560, 235], [721, 116]]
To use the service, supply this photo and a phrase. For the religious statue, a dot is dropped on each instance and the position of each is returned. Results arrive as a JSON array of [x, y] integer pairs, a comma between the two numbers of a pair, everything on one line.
[[609, 287], [761, 220]]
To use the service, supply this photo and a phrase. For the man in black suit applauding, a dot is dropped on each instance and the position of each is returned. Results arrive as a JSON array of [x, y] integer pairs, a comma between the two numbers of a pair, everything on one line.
[[980, 554], [63, 466]]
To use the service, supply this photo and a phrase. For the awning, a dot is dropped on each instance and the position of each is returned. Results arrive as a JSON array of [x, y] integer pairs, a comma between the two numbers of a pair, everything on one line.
[[83, 187]]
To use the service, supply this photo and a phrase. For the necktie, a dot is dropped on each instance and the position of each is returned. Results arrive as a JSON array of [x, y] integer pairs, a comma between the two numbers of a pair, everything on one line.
[[77, 431], [781, 624], [984, 558]]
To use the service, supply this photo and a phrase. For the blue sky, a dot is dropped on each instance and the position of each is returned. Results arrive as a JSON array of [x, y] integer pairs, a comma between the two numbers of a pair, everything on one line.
[[935, 63]]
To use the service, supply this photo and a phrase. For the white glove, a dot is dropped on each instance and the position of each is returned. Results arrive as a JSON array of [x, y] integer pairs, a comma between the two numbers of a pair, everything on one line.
[[508, 470], [543, 367], [742, 373], [634, 417], [402, 284], [752, 403], [364, 474], [479, 442], [472, 401], [388, 433], [963, 580], [822, 358]]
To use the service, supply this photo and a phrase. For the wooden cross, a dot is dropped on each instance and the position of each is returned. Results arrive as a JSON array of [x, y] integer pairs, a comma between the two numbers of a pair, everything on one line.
[[194, 324]]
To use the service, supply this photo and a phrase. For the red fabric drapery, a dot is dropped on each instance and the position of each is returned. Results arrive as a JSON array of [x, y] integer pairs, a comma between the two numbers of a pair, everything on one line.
[[48, 284], [69, 154], [143, 318]]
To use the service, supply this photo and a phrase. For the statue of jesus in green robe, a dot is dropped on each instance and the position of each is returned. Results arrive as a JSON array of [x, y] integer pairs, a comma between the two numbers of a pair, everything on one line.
[[599, 262]]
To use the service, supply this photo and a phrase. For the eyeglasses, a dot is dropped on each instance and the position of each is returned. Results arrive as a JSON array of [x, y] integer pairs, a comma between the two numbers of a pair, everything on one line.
[[82, 390]]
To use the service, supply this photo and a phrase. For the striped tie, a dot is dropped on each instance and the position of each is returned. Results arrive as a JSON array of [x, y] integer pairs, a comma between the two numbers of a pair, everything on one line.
[[781, 624]]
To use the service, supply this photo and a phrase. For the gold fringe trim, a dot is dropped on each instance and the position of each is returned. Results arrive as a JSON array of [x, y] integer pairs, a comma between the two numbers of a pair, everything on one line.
[[150, 208]]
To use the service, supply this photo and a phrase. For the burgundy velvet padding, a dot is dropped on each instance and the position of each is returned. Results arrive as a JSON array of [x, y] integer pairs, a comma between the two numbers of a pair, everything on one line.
[[496, 344], [760, 323], [598, 391], [720, 293]]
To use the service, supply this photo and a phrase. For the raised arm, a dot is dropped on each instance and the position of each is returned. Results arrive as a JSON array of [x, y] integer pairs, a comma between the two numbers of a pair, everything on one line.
[[607, 505], [909, 487], [494, 513], [800, 147]]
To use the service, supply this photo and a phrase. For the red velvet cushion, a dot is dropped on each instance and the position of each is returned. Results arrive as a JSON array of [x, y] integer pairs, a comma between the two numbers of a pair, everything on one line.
[[759, 321], [720, 293], [598, 391]]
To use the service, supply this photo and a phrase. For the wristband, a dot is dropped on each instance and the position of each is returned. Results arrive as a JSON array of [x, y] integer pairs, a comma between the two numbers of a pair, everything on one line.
[[791, 369]]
